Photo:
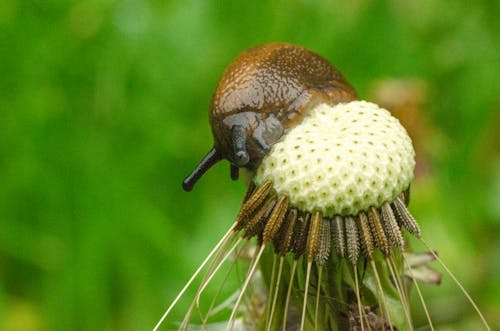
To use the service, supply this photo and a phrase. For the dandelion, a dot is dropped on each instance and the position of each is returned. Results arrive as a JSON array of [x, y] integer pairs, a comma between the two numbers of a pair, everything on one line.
[[326, 217]]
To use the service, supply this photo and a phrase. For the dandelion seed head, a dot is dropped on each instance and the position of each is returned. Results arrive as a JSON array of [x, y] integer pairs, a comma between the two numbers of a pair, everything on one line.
[[370, 160]]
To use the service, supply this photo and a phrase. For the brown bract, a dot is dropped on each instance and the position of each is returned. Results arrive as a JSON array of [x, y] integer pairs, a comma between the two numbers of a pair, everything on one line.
[[271, 219]]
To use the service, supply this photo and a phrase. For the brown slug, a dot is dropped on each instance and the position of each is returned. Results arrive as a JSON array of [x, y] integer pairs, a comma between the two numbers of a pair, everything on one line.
[[265, 91]]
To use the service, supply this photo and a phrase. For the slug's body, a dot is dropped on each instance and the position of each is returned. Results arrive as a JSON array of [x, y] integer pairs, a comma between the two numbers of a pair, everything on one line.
[[265, 91]]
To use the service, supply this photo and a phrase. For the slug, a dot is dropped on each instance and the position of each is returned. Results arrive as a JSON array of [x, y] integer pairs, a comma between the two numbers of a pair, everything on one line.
[[263, 93]]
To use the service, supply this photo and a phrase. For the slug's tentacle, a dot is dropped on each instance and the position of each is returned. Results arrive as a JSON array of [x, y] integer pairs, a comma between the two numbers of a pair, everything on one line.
[[239, 137], [268, 132], [208, 161], [235, 172]]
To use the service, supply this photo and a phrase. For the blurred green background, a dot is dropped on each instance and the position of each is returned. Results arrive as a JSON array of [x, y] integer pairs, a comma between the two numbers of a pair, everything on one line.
[[103, 111]]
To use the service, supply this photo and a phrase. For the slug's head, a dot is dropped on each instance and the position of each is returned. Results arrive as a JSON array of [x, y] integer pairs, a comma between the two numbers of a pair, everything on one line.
[[265, 91]]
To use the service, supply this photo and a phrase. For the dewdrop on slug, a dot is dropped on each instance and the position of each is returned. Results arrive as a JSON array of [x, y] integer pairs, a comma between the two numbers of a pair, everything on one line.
[[329, 190]]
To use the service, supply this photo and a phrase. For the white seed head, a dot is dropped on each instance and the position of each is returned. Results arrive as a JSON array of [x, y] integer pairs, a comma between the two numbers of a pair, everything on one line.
[[341, 159]]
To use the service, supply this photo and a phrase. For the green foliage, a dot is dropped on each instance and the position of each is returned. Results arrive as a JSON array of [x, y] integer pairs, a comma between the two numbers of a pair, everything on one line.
[[103, 110]]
